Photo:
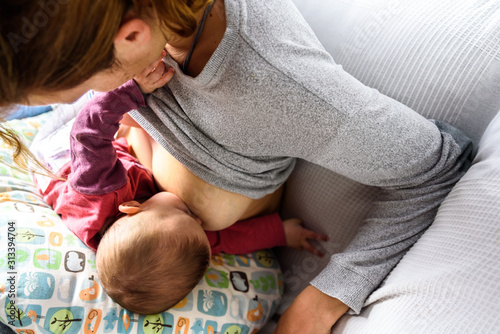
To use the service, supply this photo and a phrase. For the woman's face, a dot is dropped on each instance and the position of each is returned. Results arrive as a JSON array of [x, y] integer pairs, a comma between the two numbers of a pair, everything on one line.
[[137, 45]]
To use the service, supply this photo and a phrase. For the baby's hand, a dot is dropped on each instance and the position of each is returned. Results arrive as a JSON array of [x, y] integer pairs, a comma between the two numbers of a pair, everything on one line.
[[298, 237], [154, 76]]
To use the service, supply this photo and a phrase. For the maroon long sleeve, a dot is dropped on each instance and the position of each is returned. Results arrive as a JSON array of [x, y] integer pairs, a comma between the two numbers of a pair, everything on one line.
[[249, 235]]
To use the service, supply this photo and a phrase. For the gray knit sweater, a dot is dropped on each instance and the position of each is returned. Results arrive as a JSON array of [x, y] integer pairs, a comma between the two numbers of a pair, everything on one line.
[[270, 94]]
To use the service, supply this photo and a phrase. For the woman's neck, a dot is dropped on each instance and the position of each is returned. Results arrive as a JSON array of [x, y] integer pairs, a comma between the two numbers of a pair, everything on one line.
[[212, 34]]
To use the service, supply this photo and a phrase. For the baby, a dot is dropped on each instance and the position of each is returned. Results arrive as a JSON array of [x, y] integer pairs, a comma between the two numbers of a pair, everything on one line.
[[151, 250]]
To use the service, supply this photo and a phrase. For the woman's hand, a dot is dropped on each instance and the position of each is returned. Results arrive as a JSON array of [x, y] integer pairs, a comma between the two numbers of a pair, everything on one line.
[[312, 312], [298, 237], [154, 76]]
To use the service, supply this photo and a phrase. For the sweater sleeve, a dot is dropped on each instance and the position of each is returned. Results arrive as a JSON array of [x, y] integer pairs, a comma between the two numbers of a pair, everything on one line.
[[248, 236], [96, 170], [333, 120], [415, 162]]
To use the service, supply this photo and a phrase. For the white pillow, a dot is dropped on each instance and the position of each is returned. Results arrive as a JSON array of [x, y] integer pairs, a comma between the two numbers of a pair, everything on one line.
[[441, 58]]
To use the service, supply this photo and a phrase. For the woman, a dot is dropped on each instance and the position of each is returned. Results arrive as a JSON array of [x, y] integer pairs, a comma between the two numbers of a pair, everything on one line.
[[253, 90]]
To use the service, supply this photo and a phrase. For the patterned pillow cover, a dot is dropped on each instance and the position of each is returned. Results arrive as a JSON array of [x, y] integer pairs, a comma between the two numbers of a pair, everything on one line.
[[49, 283]]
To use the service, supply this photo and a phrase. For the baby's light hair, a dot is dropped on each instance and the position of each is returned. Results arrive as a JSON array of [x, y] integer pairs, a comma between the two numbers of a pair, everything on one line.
[[148, 268]]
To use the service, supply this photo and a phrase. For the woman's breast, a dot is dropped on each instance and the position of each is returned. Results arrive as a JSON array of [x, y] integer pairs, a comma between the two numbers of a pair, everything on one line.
[[217, 208]]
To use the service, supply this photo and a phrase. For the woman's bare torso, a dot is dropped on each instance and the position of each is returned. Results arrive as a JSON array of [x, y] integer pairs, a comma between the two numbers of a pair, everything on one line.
[[217, 208]]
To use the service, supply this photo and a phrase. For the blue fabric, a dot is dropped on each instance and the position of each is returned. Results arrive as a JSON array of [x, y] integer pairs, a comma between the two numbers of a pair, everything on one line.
[[28, 111]]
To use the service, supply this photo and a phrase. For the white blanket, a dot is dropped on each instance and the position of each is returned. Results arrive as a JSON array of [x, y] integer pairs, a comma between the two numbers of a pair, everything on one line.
[[449, 282], [51, 144]]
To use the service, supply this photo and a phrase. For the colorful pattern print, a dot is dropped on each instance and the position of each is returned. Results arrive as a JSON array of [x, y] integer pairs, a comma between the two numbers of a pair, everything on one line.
[[49, 283]]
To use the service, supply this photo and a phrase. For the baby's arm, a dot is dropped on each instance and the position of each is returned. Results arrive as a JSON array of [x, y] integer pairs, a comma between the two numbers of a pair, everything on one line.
[[93, 158], [260, 233], [95, 168]]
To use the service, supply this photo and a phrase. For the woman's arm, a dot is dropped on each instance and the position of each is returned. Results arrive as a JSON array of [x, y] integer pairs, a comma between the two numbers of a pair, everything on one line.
[[311, 312]]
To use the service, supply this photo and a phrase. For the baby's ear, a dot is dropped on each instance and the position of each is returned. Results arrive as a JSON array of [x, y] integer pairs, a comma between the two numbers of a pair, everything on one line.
[[130, 207]]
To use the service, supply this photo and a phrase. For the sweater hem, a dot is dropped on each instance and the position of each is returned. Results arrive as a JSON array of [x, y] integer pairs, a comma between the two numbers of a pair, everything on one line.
[[344, 284]]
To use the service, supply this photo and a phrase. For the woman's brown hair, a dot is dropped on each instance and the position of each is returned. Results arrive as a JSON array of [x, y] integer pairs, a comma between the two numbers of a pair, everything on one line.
[[53, 45]]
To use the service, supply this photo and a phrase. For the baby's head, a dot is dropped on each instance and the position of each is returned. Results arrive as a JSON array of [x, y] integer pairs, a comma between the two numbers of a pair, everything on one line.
[[154, 256]]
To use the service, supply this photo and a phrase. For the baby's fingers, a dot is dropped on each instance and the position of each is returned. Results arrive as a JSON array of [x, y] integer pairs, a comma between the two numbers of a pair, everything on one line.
[[313, 235], [311, 249], [162, 75], [156, 78], [152, 67]]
